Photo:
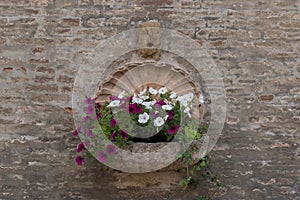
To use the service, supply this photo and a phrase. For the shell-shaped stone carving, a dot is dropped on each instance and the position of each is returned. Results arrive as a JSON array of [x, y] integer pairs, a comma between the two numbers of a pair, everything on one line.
[[134, 78]]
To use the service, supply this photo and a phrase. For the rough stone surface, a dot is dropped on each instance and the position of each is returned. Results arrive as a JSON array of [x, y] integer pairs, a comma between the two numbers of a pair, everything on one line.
[[256, 45]]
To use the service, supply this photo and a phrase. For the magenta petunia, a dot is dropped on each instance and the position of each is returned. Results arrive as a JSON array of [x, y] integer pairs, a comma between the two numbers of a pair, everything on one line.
[[130, 108], [89, 100], [159, 104], [124, 134], [90, 109], [98, 105], [86, 119], [111, 149], [137, 109], [89, 133], [153, 115], [113, 122], [171, 114], [79, 160], [102, 156], [76, 132], [173, 129], [112, 98], [80, 147], [112, 136]]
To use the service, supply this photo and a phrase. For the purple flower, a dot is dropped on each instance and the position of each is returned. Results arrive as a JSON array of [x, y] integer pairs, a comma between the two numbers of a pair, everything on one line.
[[111, 149], [79, 160], [153, 115], [76, 132], [124, 134], [173, 129], [171, 114], [89, 100], [113, 122], [80, 147], [112, 98], [160, 103], [102, 157], [112, 136], [130, 109], [99, 115], [98, 105], [90, 109], [86, 119], [138, 109], [89, 133]]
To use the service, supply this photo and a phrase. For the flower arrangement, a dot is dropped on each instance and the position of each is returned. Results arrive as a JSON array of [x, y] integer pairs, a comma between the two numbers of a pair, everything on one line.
[[150, 116]]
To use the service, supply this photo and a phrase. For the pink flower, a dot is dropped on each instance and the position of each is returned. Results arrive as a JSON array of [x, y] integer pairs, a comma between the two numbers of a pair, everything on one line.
[[137, 110], [111, 149], [153, 115], [102, 157], [170, 114], [113, 122], [130, 108], [90, 109], [79, 160], [76, 132], [160, 103], [80, 147], [89, 100], [112, 98], [112, 136], [173, 129], [89, 133], [124, 134], [86, 119]]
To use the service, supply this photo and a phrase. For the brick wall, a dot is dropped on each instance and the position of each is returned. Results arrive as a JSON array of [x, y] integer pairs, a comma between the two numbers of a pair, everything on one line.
[[255, 44]]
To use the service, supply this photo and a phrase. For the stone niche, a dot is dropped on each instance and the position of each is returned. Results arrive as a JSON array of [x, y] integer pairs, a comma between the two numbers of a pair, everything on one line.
[[149, 66]]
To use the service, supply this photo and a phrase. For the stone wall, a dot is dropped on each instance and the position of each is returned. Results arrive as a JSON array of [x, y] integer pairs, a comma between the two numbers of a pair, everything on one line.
[[254, 43]]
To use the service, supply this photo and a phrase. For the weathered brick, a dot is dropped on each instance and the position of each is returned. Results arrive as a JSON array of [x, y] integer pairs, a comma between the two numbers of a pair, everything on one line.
[[69, 22], [266, 97]]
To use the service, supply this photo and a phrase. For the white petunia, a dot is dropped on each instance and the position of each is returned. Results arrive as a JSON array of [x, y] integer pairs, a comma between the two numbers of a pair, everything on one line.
[[114, 103], [158, 122], [166, 117], [137, 100], [163, 90], [153, 91], [167, 107], [121, 95], [148, 104], [189, 96], [143, 92], [143, 118], [173, 95], [187, 111], [144, 97], [183, 100], [201, 99]]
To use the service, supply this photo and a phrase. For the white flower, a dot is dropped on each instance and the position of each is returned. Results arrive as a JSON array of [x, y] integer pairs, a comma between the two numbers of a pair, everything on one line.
[[166, 117], [152, 91], [187, 111], [148, 104], [114, 103], [137, 100], [201, 99], [189, 96], [167, 107], [162, 90], [144, 97], [143, 118], [183, 100], [173, 95], [158, 121], [121, 95], [143, 92]]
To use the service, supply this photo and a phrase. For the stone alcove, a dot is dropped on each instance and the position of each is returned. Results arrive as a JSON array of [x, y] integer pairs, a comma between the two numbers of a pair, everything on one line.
[[152, 67]]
